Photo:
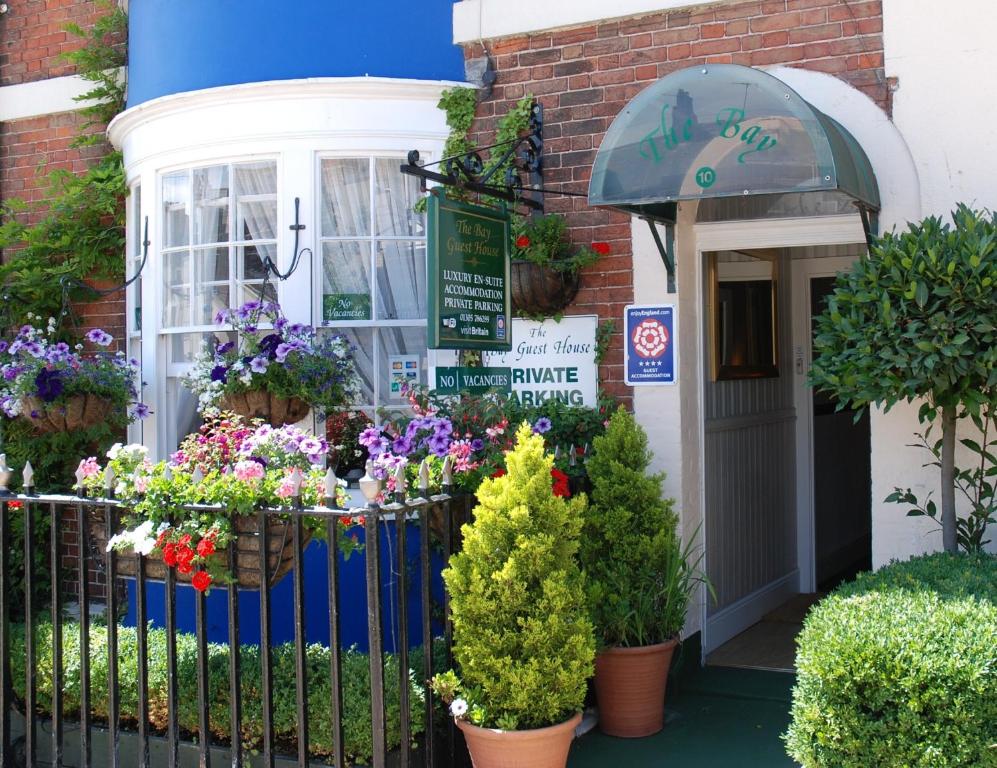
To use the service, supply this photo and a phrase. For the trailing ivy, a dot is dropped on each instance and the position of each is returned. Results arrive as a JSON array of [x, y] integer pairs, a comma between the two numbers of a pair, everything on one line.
[[76, 234]]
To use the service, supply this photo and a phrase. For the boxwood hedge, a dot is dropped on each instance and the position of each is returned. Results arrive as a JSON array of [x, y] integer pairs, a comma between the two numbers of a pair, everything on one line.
[[357, 739], [898, 669]]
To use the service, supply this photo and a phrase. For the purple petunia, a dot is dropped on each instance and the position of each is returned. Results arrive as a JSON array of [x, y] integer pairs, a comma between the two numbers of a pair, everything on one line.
[[401, 445], [34, 349], [99, 337], [269, 344], [48, 384], [259, 365], [228, 346], [219, 373], [221, 316], [139, 411], [3, 346], [477, 444], [542, 426], [439, 444]]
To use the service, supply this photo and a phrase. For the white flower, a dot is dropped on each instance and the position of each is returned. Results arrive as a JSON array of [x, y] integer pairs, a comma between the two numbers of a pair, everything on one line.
[[458, 707]]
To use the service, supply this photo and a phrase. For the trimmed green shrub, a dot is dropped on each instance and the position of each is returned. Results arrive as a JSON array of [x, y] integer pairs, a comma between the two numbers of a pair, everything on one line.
[[357, 740], [638, 581], [522, 637], [899, 669]]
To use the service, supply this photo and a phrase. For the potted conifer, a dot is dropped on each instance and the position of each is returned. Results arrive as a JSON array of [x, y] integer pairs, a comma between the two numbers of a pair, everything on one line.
[[639, 580], [522, 638]]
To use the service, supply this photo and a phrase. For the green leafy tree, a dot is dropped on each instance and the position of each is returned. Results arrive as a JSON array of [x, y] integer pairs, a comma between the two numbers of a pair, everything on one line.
[[918, 319], [638, 577], [522, 637]]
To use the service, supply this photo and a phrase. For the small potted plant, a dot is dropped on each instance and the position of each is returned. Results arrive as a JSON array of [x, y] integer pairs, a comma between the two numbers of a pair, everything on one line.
[[233, 465], [544, 269], [275, 370], [639, 578], [63, 388], [523, 640]]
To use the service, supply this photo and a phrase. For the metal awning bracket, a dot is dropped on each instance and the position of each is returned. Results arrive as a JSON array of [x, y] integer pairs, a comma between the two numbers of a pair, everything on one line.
[[666, 249]]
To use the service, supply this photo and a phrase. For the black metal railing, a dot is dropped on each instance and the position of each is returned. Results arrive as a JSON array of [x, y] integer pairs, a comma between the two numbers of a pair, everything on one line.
[[26, 723]]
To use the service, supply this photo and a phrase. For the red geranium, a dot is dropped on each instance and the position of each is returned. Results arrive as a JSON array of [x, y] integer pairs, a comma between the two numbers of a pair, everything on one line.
[[14, 505], [206, 546], [601, 248], [561, 487], [170, 555], [522, 241], [201, 581]]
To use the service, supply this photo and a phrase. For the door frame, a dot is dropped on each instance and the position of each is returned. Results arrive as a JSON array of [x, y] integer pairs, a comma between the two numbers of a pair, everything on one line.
[[745, 234], [803, 271]]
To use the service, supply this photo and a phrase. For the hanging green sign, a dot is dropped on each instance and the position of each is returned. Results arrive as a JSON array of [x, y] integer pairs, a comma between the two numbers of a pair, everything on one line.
[[476, 381], [346, 306], [468, 264]]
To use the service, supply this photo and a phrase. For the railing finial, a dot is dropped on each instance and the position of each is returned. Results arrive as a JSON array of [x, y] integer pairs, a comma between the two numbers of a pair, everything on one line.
[[28, 477], [331, 483], [424, 477]]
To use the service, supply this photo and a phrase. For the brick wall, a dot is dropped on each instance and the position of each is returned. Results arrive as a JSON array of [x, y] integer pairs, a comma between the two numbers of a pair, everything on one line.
[[33, 38], [585, 75]]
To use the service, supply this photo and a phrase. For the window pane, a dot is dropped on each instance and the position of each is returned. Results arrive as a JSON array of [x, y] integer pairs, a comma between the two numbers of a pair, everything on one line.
[[345, 197], [211, 273], [176, 283], [346, 281], [401, 280], [394, 196], [176, 210], [254, 292], [184, 347], [401, 351], [211, 204], [256, 194], [362, 341], [251, 260]]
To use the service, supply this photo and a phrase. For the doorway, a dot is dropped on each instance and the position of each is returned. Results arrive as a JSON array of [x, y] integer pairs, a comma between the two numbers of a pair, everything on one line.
[[835, 476], [790, 516]]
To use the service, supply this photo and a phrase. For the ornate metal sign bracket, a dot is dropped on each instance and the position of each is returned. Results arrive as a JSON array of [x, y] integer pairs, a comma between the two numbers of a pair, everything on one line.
[[468, 171]]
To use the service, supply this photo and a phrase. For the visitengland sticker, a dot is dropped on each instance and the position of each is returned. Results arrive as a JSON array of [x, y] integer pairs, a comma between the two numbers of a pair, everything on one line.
[[650, 344]]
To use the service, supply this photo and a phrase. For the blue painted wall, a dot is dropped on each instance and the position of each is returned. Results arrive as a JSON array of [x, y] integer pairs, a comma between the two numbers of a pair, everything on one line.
[[185, 45]]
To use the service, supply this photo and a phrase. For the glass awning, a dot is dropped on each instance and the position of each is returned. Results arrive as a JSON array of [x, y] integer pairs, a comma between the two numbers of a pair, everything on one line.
[[722, 130]]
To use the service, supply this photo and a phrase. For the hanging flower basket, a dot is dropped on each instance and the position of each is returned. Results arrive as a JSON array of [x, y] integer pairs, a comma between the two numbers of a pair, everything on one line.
[[246, 532], [56, 387], [77, 412], [541, 290], [260, 404]]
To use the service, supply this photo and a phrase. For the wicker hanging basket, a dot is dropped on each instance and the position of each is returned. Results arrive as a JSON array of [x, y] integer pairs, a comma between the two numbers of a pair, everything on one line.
[[280, 553], [76, 413], [260, 404], [540, 290]]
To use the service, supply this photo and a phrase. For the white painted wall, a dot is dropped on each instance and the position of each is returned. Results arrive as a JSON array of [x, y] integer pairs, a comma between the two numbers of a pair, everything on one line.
[[944, 60], [475, 20], [945, 110]]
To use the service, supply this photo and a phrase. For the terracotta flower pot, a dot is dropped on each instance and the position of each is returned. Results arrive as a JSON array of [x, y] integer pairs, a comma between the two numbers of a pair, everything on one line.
[[630, 687], [260, 404], [77, 412], [536, 748], [539, 290]]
